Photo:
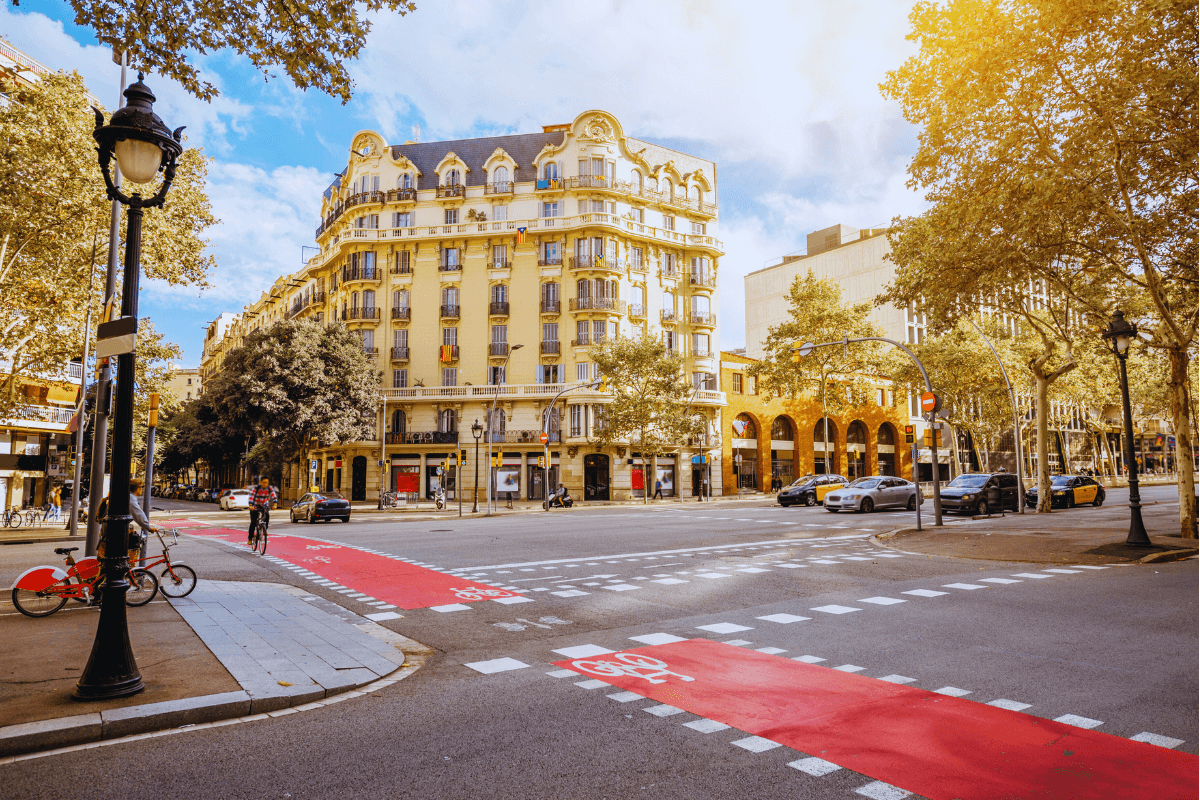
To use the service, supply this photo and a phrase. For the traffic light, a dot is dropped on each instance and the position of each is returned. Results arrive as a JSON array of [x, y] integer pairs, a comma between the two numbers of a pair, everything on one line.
[[462, 456], [929, 437], [796, 352], [496, 460], [910, 432], [603, 383], [541, 462]]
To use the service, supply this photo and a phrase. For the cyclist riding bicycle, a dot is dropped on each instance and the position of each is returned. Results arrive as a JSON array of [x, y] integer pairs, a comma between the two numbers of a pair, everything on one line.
[[261, 499]]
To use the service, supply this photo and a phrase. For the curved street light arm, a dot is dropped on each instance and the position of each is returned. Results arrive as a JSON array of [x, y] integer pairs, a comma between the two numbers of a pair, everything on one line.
[[546, 430], [1012, 399]]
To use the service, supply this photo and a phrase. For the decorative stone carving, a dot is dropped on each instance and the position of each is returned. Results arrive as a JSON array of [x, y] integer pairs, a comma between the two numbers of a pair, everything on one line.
[[599, 129]]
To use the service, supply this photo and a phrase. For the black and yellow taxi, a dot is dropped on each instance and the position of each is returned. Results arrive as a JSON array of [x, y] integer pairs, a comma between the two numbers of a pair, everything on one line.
[[810, 490], [1069, 490]]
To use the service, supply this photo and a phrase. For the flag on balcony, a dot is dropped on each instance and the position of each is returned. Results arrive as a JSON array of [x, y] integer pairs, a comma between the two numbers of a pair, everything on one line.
[[599, 261], [521, 235], [447, 353]]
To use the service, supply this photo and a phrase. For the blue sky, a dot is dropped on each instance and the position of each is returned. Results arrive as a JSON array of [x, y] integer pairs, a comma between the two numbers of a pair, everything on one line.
[[782, 95]]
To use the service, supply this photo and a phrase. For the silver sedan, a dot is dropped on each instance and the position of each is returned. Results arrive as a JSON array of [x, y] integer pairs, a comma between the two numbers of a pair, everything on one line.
[[868, 494]]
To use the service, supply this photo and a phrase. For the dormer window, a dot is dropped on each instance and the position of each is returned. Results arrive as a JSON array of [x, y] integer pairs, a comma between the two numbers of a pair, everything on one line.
[[453, 177], [404, 181], [551, 173]]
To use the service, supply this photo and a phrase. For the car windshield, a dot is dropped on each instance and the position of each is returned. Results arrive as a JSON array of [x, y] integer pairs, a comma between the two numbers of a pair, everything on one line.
[[865, 483], [330, 496], [1060, 480], [802, 481], [968, 481]]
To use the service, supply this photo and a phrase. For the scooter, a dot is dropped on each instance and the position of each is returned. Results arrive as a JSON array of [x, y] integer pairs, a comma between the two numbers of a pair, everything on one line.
[[561, 502], [440, 499]]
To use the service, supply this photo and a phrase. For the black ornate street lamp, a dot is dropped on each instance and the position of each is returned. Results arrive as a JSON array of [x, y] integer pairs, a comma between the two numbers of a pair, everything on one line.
[[476, 431], [143, 146], [1120, 334]]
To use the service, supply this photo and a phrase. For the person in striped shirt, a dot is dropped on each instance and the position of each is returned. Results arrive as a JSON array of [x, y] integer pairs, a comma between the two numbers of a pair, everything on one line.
[[262, 497]]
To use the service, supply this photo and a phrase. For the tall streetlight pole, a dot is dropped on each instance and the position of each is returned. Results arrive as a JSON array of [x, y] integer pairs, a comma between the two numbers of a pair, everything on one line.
[[143, 146], [1012, 399], [1120, 334], [81, 416], [491, 419], [595, 384], [476, 431]]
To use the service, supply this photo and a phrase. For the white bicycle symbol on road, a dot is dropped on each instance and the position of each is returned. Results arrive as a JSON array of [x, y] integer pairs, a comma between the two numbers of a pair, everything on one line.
[[476, 593], [631, 664]]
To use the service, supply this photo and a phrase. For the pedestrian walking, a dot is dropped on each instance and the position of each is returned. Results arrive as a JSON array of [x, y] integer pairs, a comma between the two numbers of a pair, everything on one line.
[[509, 497], [657, 490], [53, 504]]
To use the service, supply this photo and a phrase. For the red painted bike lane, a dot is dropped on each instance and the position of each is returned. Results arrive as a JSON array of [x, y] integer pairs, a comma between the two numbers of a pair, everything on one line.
[[405, 585], [944, 748]]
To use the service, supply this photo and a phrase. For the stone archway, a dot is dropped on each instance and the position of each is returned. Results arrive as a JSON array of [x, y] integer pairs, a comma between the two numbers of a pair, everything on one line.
[[825, 432], [887, 457], [856, 450]]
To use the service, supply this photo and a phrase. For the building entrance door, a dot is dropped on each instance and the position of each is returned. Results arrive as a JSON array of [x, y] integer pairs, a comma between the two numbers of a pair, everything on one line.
[[358, 479], [595, 477]]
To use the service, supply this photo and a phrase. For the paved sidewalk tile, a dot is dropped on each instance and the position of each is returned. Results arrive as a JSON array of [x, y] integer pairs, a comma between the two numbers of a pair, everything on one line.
[[277, 645]]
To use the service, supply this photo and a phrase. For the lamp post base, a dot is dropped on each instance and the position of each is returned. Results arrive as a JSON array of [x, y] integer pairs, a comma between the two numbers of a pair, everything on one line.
[[111, 670], [1137, 529]]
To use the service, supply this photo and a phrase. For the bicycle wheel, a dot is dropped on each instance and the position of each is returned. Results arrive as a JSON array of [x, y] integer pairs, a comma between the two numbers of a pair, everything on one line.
[[142, 587], [177, 580], [260, 540], [37, 604]]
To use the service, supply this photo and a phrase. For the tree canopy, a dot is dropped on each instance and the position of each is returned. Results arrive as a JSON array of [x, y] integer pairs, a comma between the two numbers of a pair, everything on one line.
[[1058, 147], [310, 40], [54, 212], [297, 385]]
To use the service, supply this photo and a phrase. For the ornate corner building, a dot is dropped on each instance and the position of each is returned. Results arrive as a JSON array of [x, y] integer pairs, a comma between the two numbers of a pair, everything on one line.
[[444, 256]]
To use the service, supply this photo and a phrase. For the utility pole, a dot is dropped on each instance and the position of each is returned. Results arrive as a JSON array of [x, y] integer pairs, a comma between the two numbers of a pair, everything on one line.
[[81, 417], [151, 426], [103, 382]]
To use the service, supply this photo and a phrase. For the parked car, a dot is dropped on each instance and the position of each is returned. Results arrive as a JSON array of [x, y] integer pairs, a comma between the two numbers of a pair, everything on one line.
[[981, 493], [810, 490], [321, 505], [1069, 490], [237, 498], [868, 494]]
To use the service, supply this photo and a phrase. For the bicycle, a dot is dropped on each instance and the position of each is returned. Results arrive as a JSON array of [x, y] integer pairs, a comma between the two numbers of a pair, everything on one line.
[[40, 591], [177, 580], [259, 539]]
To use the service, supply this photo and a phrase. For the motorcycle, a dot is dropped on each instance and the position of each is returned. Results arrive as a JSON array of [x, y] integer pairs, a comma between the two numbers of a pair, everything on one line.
[[440, 499], [561, 501]]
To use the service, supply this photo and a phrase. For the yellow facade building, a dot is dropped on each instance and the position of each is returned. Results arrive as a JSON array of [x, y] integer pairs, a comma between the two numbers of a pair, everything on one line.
[[445, 256]]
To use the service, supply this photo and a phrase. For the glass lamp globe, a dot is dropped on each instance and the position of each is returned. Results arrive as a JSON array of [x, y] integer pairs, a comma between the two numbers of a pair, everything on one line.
[[139, 161], [1122, 340]]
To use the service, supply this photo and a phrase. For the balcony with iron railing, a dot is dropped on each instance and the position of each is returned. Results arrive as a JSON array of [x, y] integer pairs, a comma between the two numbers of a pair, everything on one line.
[[522, 437], [75, 369], [500, 265], [499, 187], [582, 341], [39, 414], [371, 351], [637, 266], [402, 269], [551, 348], [448, 353], [403, 313], [498, 308], [551, 307], [707, 318], [353, 313], [549, 262], [549, 184], [350, 274], [597, 304], [454, 190], [399, 354], [497, 349], [422, 437], [595, 262], [447, 266], [637, 311], [486, 392], [668, 272], [668, 317], [450, 311], [703, 281]]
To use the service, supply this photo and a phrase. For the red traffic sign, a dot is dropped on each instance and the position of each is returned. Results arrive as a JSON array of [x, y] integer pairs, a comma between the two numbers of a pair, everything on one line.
[[930, 402], [545, 437]]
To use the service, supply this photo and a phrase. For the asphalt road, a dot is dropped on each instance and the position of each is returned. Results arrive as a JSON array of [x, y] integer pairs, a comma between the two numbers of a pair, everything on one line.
[[1115, 647]]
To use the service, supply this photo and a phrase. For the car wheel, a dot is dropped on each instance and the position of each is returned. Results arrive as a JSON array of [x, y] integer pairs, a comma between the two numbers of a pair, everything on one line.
[[982, 509], [868, 505], [345, 519], [1099, 499], [912, 502], [311, 518], [810, 499]]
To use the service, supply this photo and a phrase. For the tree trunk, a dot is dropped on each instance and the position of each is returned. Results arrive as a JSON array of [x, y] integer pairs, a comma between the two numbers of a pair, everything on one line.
[[1181, 414], [1043, 444]]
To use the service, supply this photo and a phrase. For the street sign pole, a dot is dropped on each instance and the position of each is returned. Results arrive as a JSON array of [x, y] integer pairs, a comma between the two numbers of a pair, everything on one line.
[[917, 481]]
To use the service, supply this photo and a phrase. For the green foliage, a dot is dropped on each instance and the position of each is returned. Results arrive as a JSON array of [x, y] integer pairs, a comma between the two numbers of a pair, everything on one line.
[[311, 40], [297, 385], [650, 406], [53, 213], [839, 377]]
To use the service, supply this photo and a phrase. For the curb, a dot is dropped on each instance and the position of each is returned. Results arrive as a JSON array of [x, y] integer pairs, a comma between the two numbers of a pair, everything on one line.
[[99, 728], [884, 540]]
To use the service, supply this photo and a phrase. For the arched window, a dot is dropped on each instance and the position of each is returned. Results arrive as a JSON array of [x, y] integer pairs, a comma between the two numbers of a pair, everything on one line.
[[399, 425], [856, 450], [500, 178], [369, 298], [694, 193], [583, 289], [453, 177], [404, 181], [781, 430], [551, 170], [635, 180], [668, 188], [448, 421], [819, 430], [885, 449], [886, 435]]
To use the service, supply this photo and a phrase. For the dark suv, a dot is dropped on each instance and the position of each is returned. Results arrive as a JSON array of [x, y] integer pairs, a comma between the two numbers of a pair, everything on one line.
[[981, 493]]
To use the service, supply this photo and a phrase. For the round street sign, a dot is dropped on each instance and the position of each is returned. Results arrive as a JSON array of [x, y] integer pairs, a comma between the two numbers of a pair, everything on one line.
[[806, 348], [545, 437], [930, 402]]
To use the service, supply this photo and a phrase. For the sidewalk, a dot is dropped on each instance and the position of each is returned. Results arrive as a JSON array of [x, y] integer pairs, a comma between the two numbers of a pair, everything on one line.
[[228, 650], [1083, 535]]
